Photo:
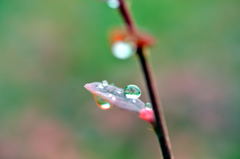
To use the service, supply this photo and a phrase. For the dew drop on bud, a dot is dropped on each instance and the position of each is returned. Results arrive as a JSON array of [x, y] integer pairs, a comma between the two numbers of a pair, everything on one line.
[[113, 3], [101, 103], [132, 91], [122, 50], [148, 105]]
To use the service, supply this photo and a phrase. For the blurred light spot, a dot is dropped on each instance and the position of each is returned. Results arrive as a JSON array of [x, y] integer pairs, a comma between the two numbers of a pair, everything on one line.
[[122, 50], [113, 3]]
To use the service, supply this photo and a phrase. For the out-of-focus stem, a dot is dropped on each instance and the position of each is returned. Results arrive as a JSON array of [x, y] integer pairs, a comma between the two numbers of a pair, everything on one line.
[[159, 124], [126, 16]]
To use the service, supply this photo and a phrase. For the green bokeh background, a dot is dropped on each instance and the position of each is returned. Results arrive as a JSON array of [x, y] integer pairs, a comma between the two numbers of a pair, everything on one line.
[[49, 49]]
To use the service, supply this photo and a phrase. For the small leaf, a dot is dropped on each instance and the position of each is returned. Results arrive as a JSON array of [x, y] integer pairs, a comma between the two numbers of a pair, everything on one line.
[[115, 96]]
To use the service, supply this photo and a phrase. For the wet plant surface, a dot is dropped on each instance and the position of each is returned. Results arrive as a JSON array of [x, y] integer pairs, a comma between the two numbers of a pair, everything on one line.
[[49, 50]]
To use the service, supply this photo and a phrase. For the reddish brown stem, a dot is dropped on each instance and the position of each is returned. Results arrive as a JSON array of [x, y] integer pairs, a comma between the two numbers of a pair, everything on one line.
[[160, 124], [126, 16]]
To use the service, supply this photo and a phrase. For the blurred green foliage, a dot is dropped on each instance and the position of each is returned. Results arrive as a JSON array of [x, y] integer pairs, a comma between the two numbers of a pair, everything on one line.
[[49, 49]]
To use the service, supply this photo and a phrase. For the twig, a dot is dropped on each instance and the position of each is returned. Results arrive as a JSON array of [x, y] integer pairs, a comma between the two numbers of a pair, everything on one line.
[[126, 16], [160, 124]]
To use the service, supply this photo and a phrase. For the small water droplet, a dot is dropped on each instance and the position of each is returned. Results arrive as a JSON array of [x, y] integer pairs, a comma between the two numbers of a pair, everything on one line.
[[104, 83], [113, 3], [122, 50], [134, 101], [100, 86], [132, 91], [148, 105], [101, 103], [119, 92]]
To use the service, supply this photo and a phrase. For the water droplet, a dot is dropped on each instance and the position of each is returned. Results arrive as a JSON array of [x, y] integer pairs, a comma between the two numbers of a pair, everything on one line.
[[113, 3], [119, 92], [104, 83], [132, 91], [134, 101], [100, 86], [101, 103], [148, 105], [122, 50]]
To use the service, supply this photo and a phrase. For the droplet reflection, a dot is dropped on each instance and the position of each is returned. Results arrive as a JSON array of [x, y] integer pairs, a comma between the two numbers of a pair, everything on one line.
[[148, 105], [132, 91]]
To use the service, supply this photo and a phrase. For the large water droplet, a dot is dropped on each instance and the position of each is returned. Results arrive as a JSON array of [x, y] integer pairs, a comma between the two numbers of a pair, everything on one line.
[[113, 3], [101, 103], [132, 91], [122, 50]]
